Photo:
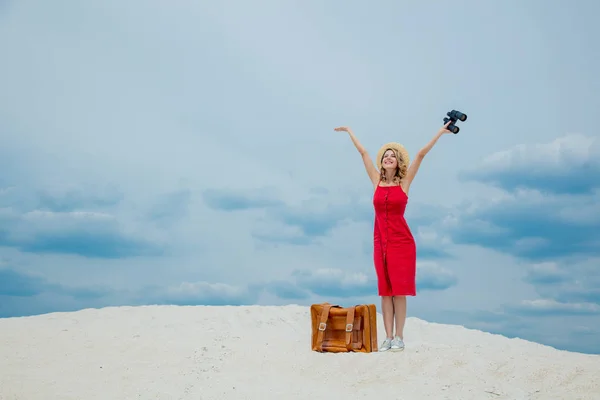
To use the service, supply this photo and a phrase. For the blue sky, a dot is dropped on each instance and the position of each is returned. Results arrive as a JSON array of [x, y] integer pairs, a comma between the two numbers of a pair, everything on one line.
[[185, 154]]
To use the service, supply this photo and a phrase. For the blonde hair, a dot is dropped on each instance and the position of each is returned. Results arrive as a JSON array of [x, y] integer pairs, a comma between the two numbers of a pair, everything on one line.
[[400, 169]]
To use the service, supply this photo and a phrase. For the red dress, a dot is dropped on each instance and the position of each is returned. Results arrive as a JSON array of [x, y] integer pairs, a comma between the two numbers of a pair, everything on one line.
[[395, 251]]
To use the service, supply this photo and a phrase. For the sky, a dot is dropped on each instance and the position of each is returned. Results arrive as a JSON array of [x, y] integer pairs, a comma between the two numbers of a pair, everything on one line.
[[184, 153]]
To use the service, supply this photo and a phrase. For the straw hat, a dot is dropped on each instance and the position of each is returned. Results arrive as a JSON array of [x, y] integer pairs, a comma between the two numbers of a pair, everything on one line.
[[405, 158]]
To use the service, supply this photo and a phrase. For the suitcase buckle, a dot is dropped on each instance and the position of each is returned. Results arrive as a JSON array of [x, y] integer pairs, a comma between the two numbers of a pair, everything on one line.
[[322, 326], [349, 327]]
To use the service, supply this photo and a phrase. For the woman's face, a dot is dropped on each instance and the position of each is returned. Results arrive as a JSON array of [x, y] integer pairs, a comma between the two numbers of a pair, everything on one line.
[[389, 160]]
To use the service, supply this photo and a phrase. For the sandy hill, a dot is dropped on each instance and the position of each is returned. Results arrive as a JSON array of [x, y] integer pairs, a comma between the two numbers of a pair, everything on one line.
[[170, 352]]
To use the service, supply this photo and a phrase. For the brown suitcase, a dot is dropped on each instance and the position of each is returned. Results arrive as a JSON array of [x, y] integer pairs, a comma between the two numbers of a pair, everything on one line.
[[337, 329]]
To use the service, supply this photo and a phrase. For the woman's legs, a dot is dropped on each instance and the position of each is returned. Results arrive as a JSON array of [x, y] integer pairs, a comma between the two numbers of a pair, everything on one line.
[[399, 310], [387, 309]]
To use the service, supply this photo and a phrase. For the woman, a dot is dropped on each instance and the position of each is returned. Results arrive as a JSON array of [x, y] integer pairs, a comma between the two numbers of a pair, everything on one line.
[[394, 249]]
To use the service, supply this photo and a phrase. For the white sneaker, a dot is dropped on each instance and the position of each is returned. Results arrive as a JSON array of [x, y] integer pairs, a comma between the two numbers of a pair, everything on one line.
[[386, 345], [397, 344]]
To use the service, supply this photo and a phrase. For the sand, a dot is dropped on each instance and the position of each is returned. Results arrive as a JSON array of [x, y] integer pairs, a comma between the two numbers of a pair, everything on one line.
[[170, 352]]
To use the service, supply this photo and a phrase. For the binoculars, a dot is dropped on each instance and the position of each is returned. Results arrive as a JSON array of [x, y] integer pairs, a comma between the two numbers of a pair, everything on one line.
[[454, 116]]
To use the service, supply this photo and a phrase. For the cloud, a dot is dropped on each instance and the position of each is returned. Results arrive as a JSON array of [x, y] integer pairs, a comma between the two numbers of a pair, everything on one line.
[[280, 222], [16, 284], [531, 225], [25, 294], [88, 221], [196, 293], [87, 234], [545, 273], [284, 289], [431, 242], [578, 334], [529, 219], [61, 198], [567, 165], [546, 215], [580, 292], [334, 282], [337, 283], [232, 200], [431, 276], [549, 307], [300, 285], [170, 208], [567, 281], [313, 218]]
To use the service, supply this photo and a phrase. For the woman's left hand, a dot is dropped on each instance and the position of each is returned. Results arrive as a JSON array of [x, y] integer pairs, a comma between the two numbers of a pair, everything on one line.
[[444, 129]]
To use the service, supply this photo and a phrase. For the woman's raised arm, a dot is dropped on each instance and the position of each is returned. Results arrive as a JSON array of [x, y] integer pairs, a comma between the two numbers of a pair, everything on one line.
[[371, 170], [414, 166]]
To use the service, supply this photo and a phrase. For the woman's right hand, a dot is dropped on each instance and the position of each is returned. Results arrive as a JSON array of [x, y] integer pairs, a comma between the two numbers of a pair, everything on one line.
[[343, 129]]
